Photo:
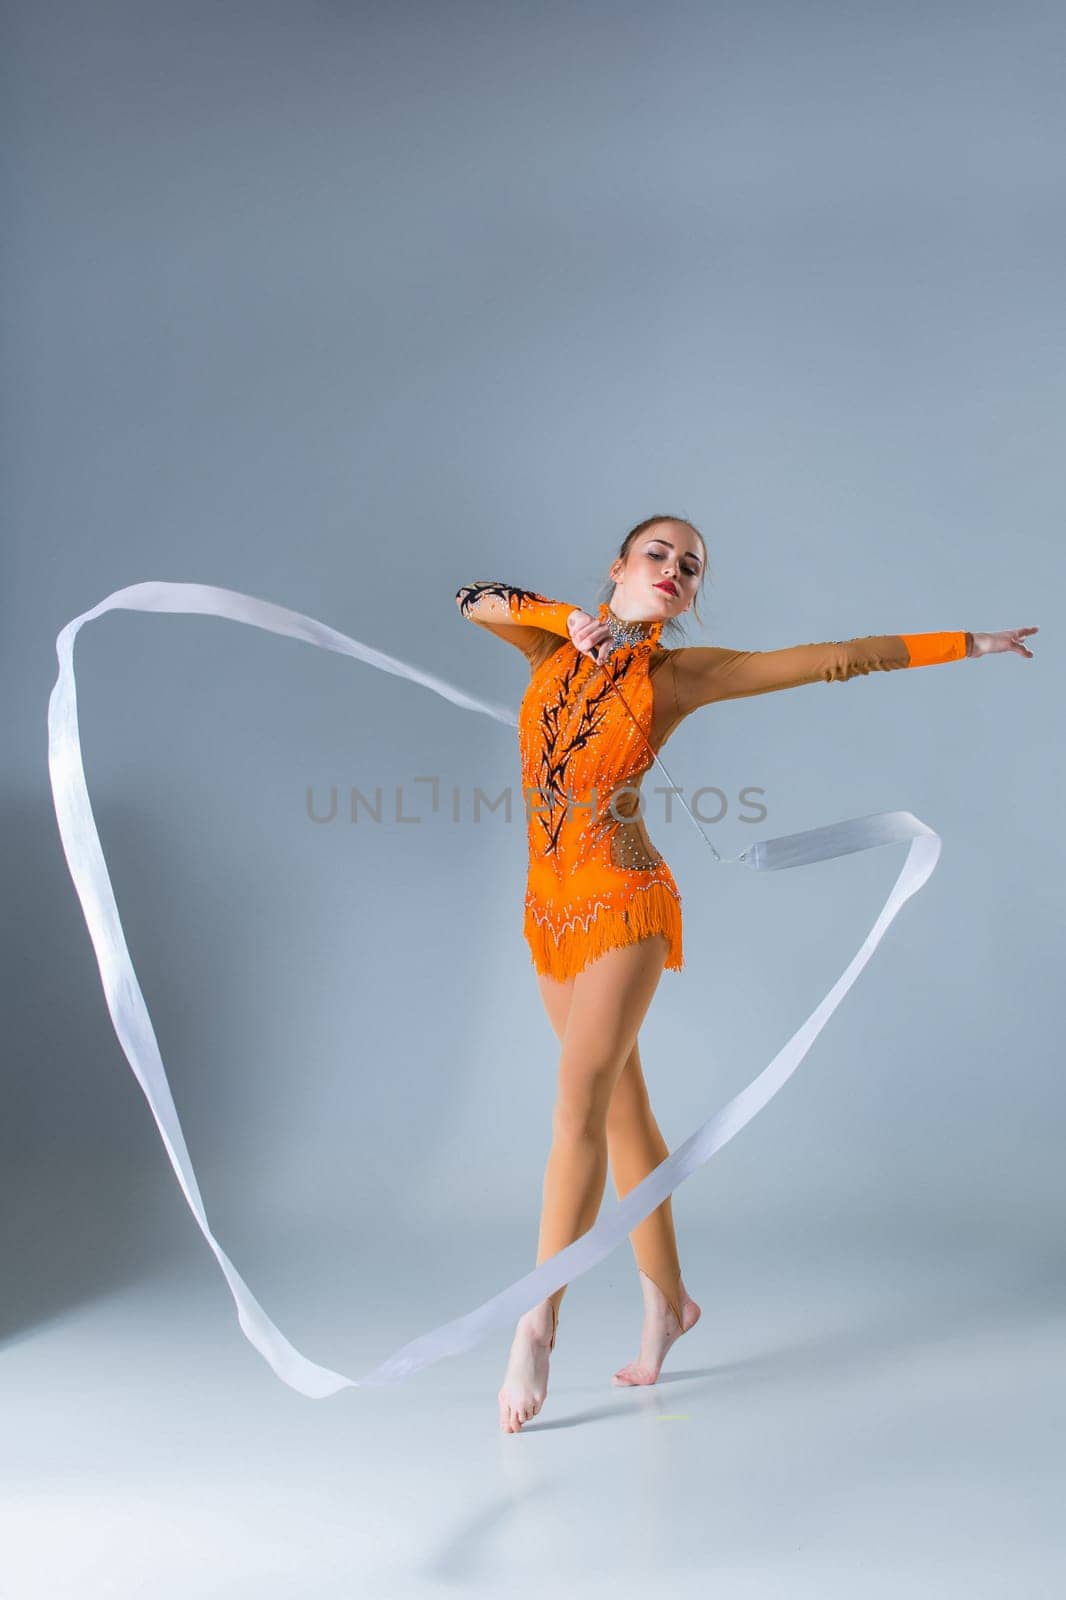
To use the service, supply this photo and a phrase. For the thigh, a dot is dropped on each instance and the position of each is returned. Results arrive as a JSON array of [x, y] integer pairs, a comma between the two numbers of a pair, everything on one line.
[[556, 997], [631, 1091], [609, 1002]]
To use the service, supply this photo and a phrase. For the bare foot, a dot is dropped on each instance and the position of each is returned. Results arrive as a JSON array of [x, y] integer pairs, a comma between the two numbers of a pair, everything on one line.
[[659, 1332], [526, 1383]]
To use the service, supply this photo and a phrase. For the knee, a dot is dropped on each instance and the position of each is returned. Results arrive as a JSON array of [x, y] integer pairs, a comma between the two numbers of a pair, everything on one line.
[[579, 1121], [581, 1107], [629, 1104]]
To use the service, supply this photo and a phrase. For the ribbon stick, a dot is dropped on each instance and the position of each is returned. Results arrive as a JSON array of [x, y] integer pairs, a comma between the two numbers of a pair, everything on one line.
[[133, 1025]]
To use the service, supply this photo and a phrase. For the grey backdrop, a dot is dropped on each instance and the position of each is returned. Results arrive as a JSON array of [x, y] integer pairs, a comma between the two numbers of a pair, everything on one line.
[[345, 305]]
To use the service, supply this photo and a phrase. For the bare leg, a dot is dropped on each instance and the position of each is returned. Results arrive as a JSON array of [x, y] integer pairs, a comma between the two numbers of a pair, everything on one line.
[[636, 1146], [607, 1005]]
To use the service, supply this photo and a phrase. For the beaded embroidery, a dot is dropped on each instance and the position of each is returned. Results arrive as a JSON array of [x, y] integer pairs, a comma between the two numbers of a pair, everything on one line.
[[595, 880]]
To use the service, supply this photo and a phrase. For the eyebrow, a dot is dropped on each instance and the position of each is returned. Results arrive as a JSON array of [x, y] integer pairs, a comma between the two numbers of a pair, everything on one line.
[[655, 539]]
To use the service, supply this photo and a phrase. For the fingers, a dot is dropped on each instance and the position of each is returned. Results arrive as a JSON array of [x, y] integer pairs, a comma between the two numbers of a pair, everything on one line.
[[580, 625], [1013, 637], [588, 634]]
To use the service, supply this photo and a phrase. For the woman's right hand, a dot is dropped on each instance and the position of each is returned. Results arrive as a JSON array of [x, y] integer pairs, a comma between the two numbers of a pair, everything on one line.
[[588, 635]]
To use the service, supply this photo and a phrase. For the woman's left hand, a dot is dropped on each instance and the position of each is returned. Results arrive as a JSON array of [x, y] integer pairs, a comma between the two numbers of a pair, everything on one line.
[[990, 644]]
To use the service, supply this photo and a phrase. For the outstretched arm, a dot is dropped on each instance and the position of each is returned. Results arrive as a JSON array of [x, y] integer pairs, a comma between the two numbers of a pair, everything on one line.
[[703, 675], [529, 621]]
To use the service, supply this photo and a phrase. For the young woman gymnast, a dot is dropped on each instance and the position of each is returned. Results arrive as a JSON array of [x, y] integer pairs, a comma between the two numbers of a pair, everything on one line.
[[602, 909]]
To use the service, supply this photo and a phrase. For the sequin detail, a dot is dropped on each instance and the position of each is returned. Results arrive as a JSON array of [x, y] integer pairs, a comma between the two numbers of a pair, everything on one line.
[[595, 879]]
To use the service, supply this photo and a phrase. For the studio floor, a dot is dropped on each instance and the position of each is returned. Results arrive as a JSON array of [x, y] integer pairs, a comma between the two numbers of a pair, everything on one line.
[[858, 1419]]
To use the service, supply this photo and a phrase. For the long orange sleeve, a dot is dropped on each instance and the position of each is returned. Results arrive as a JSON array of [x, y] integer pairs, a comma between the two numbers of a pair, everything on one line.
[[706, 674], [527, 620]]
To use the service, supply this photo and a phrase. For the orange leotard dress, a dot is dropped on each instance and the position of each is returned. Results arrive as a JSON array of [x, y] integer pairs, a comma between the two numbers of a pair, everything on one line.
[[595, 879]]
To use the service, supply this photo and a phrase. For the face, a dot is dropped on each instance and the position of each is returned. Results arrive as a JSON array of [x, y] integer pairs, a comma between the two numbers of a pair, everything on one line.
[[660, 576]]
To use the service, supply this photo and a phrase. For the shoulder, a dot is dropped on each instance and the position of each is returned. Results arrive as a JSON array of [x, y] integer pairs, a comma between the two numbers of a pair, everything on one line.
[[683, 661], [662, 669], [660, 657]]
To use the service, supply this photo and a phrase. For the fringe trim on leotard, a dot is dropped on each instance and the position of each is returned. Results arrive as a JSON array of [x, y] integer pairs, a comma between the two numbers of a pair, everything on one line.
[[654, 909]]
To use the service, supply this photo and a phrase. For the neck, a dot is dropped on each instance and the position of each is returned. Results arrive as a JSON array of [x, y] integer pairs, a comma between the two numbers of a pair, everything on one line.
[[630, 622], [632, 626]]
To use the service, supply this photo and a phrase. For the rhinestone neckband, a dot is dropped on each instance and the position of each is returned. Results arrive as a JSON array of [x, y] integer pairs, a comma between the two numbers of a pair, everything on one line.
[[624, 632]]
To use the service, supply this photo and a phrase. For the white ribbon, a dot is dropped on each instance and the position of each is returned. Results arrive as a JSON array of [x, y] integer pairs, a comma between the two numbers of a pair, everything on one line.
[[133, 1025]]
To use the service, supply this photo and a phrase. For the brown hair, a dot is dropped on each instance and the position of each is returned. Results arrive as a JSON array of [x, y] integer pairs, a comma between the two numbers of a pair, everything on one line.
[[674, 626]]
